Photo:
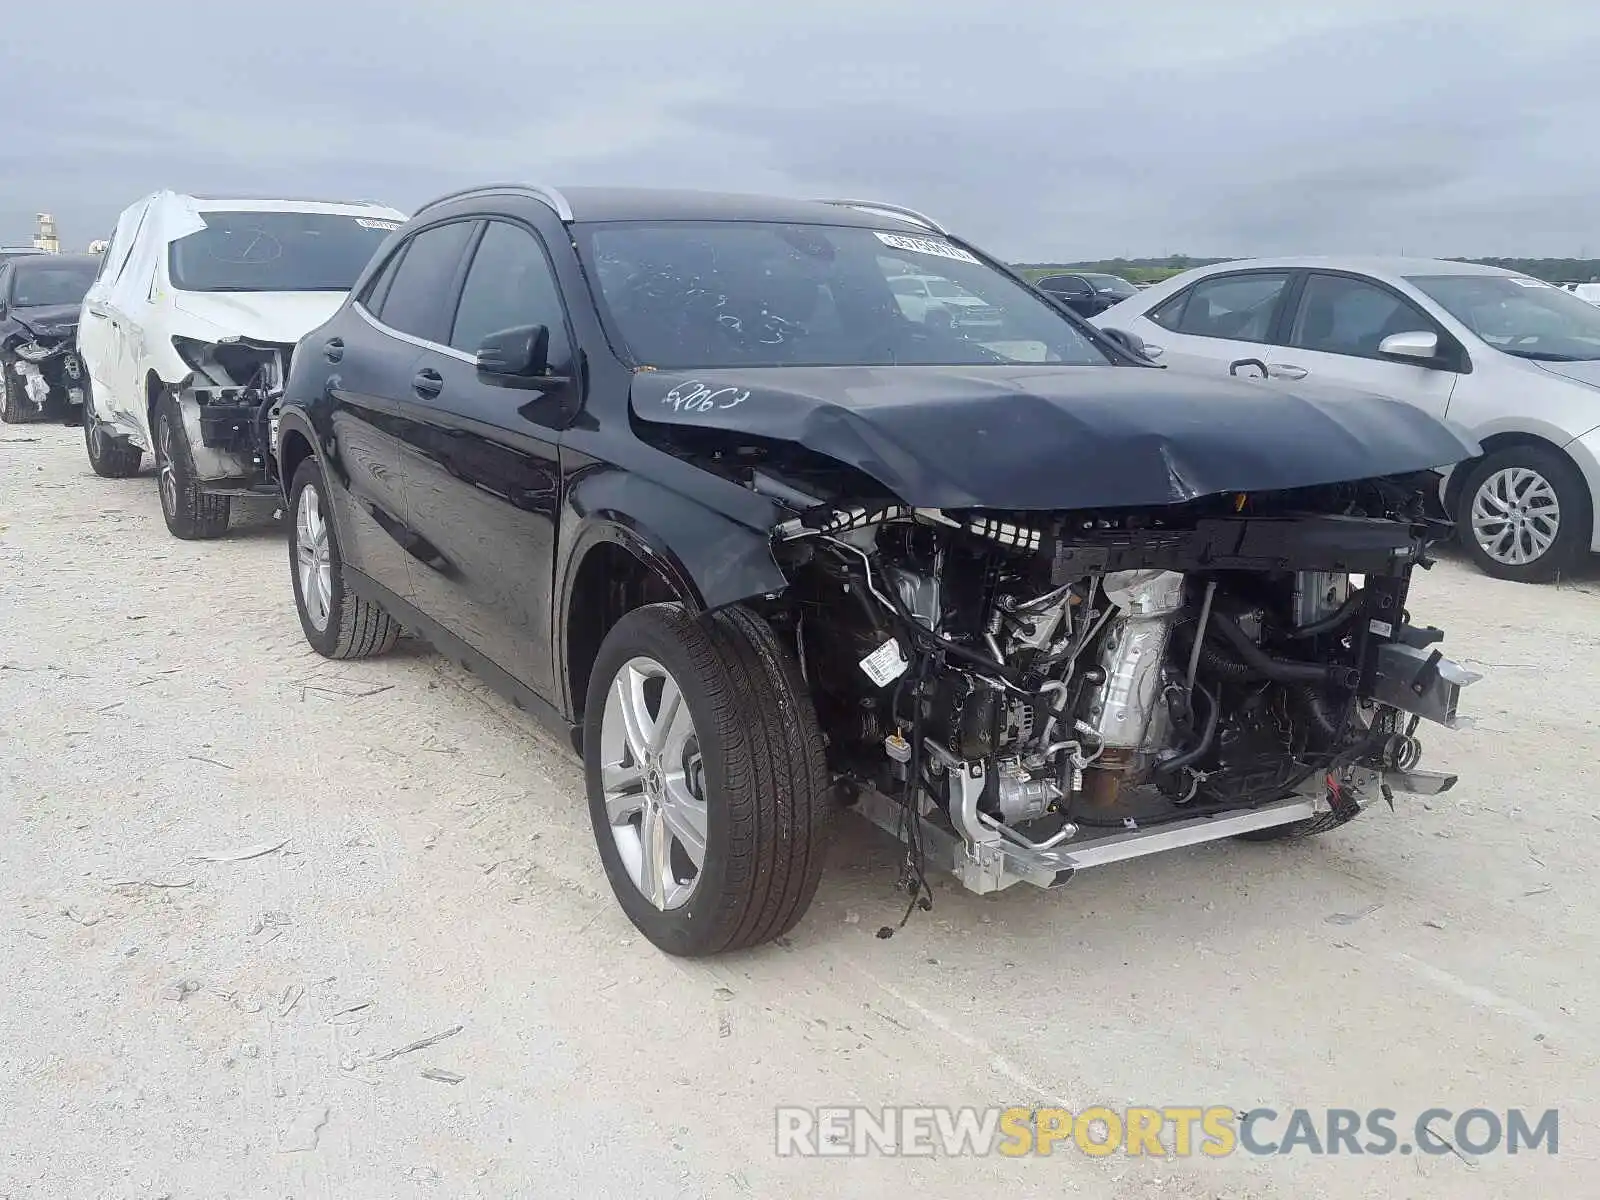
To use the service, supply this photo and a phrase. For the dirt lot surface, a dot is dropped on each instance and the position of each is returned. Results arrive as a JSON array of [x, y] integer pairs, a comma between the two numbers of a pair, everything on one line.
[[236, 877]]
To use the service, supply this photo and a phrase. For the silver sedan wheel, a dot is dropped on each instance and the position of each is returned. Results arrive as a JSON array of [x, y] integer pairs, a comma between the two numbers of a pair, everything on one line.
[[653, 777], [311, 558], [1516, 516], [169, 477]]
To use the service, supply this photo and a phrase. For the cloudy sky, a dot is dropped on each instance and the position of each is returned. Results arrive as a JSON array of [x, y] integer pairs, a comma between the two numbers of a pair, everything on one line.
[[1048, 130]]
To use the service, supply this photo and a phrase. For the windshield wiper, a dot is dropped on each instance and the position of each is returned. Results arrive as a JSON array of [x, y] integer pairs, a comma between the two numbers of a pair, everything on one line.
[[1546, 356]]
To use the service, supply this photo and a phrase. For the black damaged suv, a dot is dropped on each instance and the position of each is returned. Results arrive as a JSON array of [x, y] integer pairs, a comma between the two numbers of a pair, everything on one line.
[[679, 474], [41, 373]]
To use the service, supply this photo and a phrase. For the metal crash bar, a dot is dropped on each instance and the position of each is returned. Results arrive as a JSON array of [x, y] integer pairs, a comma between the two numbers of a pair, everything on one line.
[[893, 210]]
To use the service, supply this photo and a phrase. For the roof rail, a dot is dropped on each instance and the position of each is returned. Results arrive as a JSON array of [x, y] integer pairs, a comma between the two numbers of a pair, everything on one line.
[[893, 210], [549, 195]]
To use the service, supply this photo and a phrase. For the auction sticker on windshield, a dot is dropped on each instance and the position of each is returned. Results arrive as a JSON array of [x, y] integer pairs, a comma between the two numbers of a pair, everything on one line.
[[922, 245]]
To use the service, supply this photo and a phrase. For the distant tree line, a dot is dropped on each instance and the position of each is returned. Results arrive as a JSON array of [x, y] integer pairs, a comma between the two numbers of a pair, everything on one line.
[[1150, 270]]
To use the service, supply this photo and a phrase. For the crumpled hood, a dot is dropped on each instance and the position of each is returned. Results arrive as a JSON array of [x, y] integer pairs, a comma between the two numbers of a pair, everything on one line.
[[53, 320], [1054, 437], [283, 317], [1583, 372]]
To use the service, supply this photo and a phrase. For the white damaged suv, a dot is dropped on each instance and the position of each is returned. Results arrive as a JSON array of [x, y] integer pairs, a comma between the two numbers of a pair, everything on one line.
[[187, 332]]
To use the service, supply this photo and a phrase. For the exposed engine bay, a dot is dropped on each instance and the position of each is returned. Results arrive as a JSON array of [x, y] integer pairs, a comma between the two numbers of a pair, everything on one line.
[[236, 387], [1039, 692]]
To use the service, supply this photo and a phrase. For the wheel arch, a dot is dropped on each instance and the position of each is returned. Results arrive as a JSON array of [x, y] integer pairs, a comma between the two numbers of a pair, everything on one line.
[[154, 388], [295, 445], [1504, 439], [619, 561]]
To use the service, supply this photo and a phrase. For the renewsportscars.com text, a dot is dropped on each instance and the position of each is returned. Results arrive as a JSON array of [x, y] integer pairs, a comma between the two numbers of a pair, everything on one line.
[[1169, 1131]]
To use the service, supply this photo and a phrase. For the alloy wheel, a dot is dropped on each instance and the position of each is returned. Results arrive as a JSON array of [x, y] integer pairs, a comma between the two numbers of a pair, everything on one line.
[[1516, 516], [311, 558], [653, 776], [169, 475]]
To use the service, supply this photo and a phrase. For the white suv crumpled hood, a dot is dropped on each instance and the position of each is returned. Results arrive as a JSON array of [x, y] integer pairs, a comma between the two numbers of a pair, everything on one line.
[[283, 317]]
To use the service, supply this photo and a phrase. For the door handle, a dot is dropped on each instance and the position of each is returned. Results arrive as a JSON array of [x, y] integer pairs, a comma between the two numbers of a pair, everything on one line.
[[428, 383], [1286, 371], [333, 351]]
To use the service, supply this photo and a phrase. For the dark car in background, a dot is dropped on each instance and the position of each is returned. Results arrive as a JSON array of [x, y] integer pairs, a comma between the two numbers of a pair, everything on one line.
[[41, 374], [1087, 293]]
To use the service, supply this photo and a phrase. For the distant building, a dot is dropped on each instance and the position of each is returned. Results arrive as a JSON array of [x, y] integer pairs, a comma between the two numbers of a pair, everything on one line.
[[45, 240]]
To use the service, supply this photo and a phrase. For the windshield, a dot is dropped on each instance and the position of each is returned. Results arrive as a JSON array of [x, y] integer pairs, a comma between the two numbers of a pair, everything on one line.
[[1518, 315], [275, 252], [689, 294], [1112, 285], [36, 284]]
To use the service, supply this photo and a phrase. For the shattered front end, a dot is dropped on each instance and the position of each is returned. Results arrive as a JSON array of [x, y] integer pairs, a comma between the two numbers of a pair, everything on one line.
[[47, 370], [230, 402], [1021, 696]]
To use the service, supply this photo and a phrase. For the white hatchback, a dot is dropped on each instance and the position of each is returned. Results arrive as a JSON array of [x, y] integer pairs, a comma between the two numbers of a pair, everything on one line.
[[187, 332], [1512, 360]]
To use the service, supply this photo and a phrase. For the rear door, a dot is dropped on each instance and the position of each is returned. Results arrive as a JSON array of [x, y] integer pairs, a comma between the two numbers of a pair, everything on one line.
[[1337, 326], [481, 472], [1219, 320], [371, 351]]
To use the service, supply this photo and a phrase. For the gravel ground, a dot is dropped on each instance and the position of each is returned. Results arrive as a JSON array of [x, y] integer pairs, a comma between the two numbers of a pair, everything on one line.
[[234, 875]]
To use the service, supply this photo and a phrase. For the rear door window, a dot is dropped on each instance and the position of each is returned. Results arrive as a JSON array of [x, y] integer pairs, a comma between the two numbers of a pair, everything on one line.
[[1239, 308]]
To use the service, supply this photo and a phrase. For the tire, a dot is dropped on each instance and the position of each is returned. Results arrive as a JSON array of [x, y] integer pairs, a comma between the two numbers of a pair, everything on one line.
[[111, 457], [350, 627], [190, 513], [1544, 480], [14, 406], [755, 776]]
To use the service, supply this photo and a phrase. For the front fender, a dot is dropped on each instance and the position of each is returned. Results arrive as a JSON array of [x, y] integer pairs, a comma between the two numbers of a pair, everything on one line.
[[710, 559]]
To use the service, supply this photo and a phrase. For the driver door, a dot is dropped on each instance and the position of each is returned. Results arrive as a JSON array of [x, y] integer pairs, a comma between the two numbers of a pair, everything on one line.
[[1334, 334]]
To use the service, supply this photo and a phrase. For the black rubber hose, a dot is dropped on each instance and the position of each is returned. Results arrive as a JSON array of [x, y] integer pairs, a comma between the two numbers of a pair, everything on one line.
[[1316, 706], [1279, 670], [1213, 710], [1213, 661], [1334, 619]]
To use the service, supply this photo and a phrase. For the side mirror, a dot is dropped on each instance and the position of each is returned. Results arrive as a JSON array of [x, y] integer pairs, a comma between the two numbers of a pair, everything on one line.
[[1130, 342], [1418, 345], [518, 357]]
